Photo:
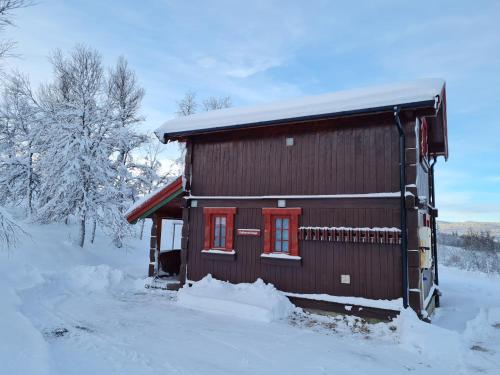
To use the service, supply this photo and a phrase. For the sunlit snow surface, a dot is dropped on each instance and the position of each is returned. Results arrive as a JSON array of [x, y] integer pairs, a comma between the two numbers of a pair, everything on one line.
[[336, 102], [66, 310]]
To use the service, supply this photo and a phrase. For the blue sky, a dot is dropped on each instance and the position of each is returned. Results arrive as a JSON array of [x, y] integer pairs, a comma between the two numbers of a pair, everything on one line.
[[259, 51]]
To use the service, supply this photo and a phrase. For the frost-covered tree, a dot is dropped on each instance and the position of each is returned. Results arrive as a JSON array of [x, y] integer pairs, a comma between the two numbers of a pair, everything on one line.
[[150, 173], [8, 230], [124, 101], [89, 119], [19, 128], [79, 178]]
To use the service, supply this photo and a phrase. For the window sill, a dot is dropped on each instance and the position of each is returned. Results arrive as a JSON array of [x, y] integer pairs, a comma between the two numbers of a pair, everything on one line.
[[215, 254], [280, 256], [217, 251], [281, 260]]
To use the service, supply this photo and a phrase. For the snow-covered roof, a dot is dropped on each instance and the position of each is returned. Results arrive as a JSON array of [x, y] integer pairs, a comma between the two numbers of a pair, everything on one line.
[[348, 101], [154, 200]]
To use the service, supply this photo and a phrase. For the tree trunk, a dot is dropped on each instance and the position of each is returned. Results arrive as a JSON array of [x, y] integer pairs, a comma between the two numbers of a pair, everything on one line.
[[141, 233], [94, 225], [30, 184], [81, 239]]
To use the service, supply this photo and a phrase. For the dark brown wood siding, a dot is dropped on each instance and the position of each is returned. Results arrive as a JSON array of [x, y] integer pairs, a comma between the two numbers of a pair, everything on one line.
[[375, 269], [327, 158]]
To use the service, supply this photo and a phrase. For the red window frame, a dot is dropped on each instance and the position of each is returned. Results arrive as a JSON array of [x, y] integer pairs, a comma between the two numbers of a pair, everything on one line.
[[270, 214], [210, 214]]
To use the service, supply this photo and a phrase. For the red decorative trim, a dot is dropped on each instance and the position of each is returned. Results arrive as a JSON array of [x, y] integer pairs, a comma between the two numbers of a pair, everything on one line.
[[155, 200], [209, 213], [424, 143], [293, 215]]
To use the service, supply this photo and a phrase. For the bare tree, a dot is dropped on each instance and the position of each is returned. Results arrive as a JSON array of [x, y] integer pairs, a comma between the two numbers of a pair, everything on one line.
[[7, 7], [187, 106], [213, 103], [9, 231]]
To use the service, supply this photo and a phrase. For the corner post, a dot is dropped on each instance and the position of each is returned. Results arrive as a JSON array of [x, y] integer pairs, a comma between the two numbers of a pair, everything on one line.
[[402, 204]]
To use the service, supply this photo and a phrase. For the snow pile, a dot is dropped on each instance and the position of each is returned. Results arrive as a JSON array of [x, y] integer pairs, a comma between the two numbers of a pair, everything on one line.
[[387, 304], [22, 347], [90, 279], [436, 344], [257, 301]]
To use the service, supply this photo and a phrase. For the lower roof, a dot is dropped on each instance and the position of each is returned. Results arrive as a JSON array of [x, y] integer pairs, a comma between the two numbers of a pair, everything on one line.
[[154, 201]]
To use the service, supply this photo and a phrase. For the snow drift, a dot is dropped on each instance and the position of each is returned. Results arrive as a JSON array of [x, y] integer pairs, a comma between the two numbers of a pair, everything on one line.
[[257, 301]]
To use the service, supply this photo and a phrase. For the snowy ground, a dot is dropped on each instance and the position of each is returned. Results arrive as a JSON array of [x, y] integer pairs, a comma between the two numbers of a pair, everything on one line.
[[72, 311]]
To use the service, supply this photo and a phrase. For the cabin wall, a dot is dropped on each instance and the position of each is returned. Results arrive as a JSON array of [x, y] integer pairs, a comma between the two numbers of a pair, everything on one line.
[[332, 157], [375, 269]]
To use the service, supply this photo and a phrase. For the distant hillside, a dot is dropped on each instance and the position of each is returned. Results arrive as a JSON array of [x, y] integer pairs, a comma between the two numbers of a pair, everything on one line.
[[463, 226]]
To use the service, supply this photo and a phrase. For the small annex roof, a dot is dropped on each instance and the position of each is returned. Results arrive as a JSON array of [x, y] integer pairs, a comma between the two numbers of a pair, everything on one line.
[[422, 93], [154, 201]]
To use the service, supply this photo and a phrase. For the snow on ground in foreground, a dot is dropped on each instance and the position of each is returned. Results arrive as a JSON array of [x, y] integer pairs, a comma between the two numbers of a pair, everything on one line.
[[257, 301], [71, 311]]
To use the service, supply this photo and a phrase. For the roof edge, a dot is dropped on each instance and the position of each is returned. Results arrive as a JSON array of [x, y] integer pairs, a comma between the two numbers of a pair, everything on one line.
[[156, 201], [166, 137]]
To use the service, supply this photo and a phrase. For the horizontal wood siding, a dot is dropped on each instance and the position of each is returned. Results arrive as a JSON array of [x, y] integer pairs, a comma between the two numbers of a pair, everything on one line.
[[335, 159], [375, 269]]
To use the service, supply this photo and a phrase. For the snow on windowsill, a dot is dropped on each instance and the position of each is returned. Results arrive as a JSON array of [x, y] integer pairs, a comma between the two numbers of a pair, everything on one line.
[[393, 304], [217, 251], [281, 256]]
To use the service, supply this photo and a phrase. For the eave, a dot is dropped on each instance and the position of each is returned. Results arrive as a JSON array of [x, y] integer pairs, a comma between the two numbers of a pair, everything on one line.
[[156, 201]]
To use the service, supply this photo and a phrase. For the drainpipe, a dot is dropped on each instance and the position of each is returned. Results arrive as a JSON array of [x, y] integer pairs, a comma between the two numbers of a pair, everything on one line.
[[433, 223], [402, 202]]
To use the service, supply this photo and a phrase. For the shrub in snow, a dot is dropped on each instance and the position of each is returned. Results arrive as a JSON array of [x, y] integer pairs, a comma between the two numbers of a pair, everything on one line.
[[257, 301], [470, 260]]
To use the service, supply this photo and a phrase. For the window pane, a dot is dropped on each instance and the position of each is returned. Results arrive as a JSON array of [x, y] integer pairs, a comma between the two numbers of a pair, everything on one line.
[[285, 234], [223, 220], [277, 246], [223, 241], [285, 223], [278, 234], [278, 223], [284, 246]]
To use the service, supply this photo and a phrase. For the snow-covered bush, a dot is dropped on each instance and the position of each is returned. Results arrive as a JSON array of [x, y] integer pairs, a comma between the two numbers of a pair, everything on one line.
[[468, 259]]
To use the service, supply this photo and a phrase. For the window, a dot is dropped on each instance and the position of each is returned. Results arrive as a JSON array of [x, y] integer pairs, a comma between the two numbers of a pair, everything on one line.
[[219, 233], [219, 228], [281, 233], [281, 230]]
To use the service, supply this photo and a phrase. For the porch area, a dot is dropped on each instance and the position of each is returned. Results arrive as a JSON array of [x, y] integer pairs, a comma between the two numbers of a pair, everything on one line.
[[164, 207]]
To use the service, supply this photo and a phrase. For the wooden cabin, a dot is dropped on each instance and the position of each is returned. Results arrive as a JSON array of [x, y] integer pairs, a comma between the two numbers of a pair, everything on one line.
[[329, 195]]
